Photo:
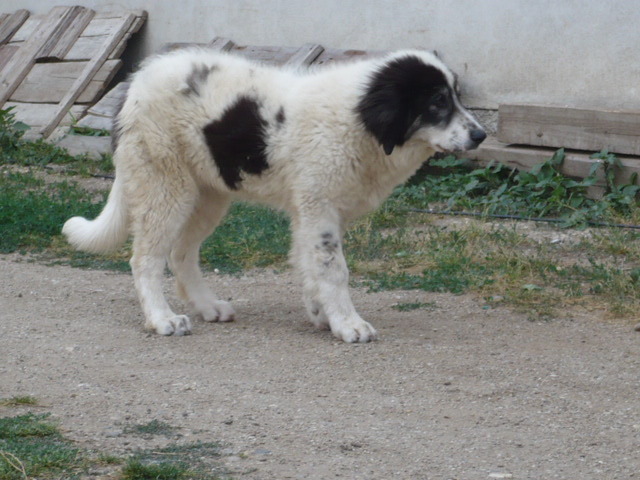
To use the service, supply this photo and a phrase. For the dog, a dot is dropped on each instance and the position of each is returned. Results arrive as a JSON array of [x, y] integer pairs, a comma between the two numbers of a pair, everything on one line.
[[200, 129]]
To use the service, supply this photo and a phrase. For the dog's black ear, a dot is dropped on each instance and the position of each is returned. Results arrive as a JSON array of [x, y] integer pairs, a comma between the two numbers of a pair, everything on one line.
[[386, 113], [394, 97]]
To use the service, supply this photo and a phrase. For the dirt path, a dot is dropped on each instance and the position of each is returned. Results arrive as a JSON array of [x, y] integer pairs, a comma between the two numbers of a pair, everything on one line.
[[458, 392]]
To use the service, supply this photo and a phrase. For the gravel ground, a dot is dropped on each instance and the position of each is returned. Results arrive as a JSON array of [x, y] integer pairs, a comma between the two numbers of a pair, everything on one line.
[[457, 391]]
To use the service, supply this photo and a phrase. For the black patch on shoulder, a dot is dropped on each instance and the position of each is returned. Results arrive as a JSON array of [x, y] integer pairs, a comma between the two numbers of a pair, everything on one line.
[[280, 116], [116, 129], [197, 77], [237, 141], [397, 95]]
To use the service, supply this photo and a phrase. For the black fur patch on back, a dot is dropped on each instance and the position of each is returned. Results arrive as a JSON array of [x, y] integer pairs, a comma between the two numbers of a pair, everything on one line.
[[237, 141], [396, 95]]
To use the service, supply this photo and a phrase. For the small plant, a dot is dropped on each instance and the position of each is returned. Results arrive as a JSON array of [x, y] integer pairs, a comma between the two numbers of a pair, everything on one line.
[[11, 131], [19, 401], [136, 470], [409, 307], [89, 132], [194, 461], [154, 427], [541, 192]]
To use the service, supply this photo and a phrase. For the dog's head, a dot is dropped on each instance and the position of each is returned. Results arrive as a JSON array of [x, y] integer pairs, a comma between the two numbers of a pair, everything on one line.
[[413, 96]]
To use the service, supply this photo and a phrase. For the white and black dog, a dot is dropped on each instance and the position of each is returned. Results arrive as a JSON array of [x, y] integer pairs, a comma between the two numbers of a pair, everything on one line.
[[199, 130]]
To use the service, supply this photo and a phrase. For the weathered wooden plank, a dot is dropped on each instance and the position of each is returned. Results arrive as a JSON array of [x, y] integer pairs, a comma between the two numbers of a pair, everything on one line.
[[96, 121], [222, 44], [575, 128], [49, 82], [6, 52], [331, 55], [27, 29], [37, 115], [68, 17], [305, 55], [95, 147], [20, 63], [141, 17], [70, 35], [173, 46], [576, 164], [266, 54], [10, 24], [111, 102], [89, 71], [99, 29]]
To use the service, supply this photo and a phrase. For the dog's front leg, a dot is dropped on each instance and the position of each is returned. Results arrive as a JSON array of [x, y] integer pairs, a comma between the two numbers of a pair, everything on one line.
[[317, 252]]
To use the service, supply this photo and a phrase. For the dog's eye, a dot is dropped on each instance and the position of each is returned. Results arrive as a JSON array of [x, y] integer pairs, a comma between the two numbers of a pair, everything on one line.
[[440, 100]]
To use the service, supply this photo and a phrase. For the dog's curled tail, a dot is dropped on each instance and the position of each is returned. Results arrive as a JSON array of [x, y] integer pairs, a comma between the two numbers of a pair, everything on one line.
[[107, 231]]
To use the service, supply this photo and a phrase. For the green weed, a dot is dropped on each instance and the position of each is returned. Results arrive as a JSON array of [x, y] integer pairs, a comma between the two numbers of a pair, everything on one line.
[[411, 306], [19, 401], [190, 461], [541, 192], [89, 132], [136, 470], [154, 427]]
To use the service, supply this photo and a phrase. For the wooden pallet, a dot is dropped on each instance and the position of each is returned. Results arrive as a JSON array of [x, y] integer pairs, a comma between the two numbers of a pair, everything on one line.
[[53, 66], [576, 128]]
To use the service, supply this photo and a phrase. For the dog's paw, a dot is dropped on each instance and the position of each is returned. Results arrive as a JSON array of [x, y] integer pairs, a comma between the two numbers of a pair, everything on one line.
[[178, 325], [354, 330], [217, 311]]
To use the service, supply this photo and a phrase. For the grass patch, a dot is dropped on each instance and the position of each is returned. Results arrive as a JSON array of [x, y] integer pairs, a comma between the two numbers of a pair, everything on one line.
[[32, 447], [32, 212], [250, 236], [19, 401], [411, 306], [191, 461], [154, 427], [136, 470]]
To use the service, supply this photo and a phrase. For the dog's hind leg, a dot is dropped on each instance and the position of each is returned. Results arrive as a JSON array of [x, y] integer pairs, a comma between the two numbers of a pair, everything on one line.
[[184, 259], [159, 209]]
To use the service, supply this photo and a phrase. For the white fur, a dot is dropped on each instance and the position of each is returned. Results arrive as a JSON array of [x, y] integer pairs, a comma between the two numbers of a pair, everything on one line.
[[325, 169]]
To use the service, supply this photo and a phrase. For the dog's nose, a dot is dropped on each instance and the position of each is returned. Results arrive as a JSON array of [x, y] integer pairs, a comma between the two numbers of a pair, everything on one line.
[[477, 135]]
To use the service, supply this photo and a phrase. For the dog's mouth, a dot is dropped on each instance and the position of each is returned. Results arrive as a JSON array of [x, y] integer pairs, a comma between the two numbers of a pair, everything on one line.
[[447, 151], [457, 149]]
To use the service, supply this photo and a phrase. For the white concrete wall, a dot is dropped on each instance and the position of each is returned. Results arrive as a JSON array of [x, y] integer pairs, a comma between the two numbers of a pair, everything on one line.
[[582, 53]]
